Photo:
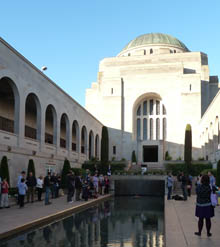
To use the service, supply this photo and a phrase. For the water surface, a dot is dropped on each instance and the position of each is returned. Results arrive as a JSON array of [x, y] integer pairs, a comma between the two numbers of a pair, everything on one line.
[[118, 222]]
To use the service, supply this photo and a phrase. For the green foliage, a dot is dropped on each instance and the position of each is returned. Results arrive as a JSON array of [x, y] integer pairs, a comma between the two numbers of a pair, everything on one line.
[[13, 191], [133, 157], [218, 174], [78, 171], [31, 167], [188, 146], [213, 171], [103, 168], [4, 171], [167, 156], [66, 168], [104, 146], [196, 168]]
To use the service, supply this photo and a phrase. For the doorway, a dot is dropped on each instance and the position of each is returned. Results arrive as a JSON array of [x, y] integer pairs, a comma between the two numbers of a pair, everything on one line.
[[150, 153]]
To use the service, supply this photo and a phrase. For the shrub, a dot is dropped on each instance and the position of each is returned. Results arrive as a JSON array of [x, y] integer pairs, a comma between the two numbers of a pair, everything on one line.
[[196, 168], [104, 145], [66, 168], [4, 171], [78, 171], [213, 171], [218, 174], [167, 156], [133, 157], [31, 167]]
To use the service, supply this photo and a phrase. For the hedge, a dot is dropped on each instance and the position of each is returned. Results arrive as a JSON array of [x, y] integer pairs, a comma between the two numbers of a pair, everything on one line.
[[103, 168], [78, 171], [213, 171], [196, 168]]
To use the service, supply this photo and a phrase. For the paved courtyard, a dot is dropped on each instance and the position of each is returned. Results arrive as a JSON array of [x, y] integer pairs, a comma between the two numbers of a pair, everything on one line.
[[181, 224]]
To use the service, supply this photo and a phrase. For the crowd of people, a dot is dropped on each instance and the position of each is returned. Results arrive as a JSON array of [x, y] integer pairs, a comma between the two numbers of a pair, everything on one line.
[[79, 187], [206, 199]]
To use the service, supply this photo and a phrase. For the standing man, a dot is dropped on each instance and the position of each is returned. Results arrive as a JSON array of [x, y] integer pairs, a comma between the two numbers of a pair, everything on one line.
[[31, 183], [183, 180], [211, 179], [78, 186], [22, 175], [70, 186], [47, 184], [169, 185]]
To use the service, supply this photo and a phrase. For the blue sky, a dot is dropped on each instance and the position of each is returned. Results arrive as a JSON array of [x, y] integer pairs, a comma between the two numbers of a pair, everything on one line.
[[71, 37]]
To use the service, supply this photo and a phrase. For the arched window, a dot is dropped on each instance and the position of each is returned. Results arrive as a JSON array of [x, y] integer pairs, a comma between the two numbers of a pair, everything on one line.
[[64, 132], [50, 125], [150, 120], [32, 117], [91, 144], [75, 136], [83, 140], [144, 52], [9, 105], [97, 146], [151, 51]]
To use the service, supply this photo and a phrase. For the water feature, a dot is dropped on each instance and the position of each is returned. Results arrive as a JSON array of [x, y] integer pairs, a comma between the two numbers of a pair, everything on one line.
[[118, 222]]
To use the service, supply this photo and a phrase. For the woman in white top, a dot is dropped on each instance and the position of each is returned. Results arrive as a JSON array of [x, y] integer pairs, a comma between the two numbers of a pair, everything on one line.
[[39, 186]]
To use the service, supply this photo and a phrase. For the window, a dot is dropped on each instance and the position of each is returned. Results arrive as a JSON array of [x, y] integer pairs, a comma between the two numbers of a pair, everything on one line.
[[150, 120], [111, 90], [151, 51], [114, 149], [190, 87], [129, 54], [144, 52]]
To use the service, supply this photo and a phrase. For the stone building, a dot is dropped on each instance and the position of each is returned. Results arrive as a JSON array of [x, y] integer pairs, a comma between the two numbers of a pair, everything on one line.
[[148, 93], [39, 121]]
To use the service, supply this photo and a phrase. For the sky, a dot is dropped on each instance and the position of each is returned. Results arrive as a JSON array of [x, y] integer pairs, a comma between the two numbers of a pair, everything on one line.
[[71, 37]]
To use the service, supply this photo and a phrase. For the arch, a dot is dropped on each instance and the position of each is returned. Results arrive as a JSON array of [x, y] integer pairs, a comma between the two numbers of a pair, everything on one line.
[[148, 114], [9, 105], [91, 144], [97, 146], [64, 131], [50, 125], [83, 140], [75, 136], [32, 117]]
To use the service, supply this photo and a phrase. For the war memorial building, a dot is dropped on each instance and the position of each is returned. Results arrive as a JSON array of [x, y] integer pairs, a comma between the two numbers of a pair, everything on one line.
[[146, 96]]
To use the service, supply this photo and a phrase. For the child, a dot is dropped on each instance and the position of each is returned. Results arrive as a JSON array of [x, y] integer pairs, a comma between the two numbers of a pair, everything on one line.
[[4, 198], [22, 189]]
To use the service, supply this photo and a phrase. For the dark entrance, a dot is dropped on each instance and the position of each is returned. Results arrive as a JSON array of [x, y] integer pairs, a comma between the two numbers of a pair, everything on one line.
[[150, 153]]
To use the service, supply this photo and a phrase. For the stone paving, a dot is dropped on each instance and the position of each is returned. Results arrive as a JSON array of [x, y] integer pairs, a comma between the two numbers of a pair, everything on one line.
[[181, 223], [15, 219]]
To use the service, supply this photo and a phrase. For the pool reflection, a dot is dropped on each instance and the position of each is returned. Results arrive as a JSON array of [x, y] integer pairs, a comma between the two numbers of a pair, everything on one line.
[[122, 222]]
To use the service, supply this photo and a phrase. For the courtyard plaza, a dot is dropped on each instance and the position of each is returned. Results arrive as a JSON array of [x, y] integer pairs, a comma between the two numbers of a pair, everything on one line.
[[180, 220]]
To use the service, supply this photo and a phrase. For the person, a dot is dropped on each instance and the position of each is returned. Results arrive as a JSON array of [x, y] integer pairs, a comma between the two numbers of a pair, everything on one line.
[[31, 183], [198, 180], [109, 173], [58, 185], [22, 175], [106, 190], [39, 187], [70, 186], [101, 184], [78, 186], [22, 189], [211, 179], [47, 185], [169, 185], [189, 185], [96, 185], [85, 190], [183, 185], [54, 185], [204, 208], [4, 197]]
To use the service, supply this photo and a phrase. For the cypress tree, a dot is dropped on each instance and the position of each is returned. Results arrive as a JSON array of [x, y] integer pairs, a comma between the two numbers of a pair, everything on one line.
[[104, 146], [4, 171], [218, 174], [188, 147], [133, 157], [31, 167], [66, 168]]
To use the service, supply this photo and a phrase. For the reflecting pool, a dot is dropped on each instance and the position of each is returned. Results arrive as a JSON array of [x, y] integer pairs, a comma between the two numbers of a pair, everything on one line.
[[118, 222]]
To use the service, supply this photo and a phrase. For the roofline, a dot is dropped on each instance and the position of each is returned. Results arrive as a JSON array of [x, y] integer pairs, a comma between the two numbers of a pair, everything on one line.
[[42, 74]]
